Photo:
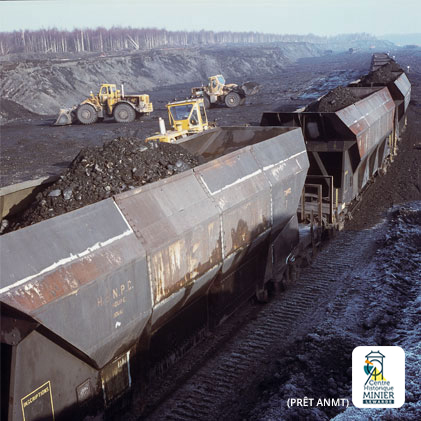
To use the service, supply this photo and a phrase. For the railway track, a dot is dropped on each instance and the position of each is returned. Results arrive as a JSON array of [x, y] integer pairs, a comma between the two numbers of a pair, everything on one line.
[[209, 391]]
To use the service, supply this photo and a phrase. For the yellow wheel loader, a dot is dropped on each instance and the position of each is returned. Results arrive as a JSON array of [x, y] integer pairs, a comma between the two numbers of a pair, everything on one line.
[[218, 92], [186, 117], [110, 101]]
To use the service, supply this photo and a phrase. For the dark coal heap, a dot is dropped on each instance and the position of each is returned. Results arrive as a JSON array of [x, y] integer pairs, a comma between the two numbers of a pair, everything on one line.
[[101, 172], [12, 110], [335, 100], [382, 75]]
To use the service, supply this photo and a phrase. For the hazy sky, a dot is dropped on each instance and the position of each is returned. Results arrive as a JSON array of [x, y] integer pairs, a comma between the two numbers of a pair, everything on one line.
[[321, 17]]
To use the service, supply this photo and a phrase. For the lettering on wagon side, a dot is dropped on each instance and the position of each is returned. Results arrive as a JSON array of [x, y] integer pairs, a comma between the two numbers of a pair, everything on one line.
[[116, 297], [38, 403]]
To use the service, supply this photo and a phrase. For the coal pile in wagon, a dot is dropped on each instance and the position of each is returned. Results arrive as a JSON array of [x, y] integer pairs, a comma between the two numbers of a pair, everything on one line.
[[382, 75], [335, 100], [101, 172]]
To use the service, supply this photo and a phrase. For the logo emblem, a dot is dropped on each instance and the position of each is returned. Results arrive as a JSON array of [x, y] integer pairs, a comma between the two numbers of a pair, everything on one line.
[[374, 366], [378, 377]]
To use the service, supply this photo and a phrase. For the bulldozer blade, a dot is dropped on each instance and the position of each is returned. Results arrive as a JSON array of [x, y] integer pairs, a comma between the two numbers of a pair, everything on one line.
[[250, 88], [65, 117]]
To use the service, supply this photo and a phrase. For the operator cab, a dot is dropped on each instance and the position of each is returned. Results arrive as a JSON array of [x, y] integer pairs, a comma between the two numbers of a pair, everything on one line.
[[106, 92], [188, 115], [216, 83]]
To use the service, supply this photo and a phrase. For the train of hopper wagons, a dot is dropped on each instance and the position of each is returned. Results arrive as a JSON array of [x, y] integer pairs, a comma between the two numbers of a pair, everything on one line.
[[95, 300]]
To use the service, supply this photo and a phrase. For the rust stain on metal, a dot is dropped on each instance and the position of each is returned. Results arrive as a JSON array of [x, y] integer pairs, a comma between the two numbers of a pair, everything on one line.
[[178, 264], [67, 279], [241, 235], [173, 267]]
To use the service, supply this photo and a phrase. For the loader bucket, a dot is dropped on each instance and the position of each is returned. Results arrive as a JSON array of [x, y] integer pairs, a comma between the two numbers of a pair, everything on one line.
[[65, 117], [250, 88]]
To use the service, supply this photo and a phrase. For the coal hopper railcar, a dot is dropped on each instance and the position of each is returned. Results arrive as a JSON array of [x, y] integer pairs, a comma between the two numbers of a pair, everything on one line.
[[348, 146], [91, 299]]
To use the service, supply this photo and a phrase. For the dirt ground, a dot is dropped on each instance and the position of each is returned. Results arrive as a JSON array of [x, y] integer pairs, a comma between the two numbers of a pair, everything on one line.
[[379, 305], [32, 147]]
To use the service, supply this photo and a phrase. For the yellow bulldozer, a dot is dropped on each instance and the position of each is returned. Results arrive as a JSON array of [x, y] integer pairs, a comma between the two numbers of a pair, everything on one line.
[[110, 101], [186, 117], [218, 92]]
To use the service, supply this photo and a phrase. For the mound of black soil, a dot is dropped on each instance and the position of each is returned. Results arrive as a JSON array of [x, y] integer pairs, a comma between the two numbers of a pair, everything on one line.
[[10, 110], [101, 172], [382, 75], [335, 100]]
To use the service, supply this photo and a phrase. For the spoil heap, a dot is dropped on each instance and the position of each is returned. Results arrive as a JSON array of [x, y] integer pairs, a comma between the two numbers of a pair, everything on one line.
[[101, 172], [10, 110], [382, 75], [335, 100]]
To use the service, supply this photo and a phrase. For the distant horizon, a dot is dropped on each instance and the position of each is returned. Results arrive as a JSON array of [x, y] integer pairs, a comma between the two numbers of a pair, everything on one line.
[[405, 39]]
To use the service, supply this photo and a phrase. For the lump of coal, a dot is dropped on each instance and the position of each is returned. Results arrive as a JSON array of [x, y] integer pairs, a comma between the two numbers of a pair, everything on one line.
[[54, 193], [4, 225], [100, 172], [180, 165], [67, 194]]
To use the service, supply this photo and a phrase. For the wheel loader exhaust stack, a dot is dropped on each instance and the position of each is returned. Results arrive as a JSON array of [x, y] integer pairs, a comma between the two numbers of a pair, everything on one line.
[[109, 102], [217, 92]]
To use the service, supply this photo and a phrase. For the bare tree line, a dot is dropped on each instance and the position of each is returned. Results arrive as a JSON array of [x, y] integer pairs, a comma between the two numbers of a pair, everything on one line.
[[114, 39]]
